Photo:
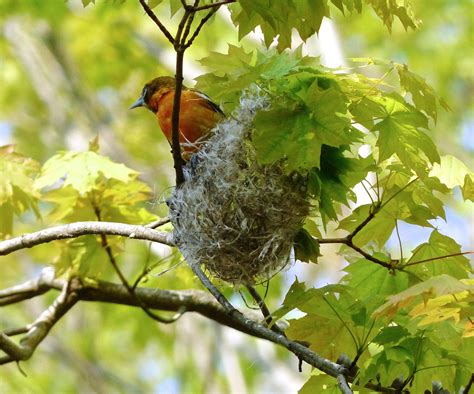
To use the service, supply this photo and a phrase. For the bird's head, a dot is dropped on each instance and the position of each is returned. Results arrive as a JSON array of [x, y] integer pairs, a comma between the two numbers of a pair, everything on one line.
[[153, 91]]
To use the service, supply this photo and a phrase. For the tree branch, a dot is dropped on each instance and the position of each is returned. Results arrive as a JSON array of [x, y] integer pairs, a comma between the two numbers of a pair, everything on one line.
[[342, 383], [175, 145], [193, 301], [27, 290], [73, 230], [201, 302], [348, 241], [38, 330]]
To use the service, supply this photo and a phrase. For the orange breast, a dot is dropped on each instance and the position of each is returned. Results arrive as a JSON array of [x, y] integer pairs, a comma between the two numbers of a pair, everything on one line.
[[197, 118]]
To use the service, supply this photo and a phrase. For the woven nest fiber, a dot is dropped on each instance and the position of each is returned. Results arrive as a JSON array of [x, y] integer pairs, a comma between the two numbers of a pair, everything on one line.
[[236, 217]]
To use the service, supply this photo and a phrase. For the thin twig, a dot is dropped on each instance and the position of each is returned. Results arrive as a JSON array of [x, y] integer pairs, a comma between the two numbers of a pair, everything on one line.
[[374, 209], [131, 290], [264, 309], [17, 331], [214, 5], [399, 240], [189, 22], [199, 27], [367, 191], [368, 256], [158, 223], [212, 289], [467, 389], [398, 192], [437, 258], [155, 19], [356, 342]]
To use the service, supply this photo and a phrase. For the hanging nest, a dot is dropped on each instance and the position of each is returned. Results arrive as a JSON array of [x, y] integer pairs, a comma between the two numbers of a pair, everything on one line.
[[232, 215]]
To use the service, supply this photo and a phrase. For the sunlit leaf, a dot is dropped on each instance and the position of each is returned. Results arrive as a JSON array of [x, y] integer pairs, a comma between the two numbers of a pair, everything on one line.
[[439, 245], [435, 286], [81, 170], [423, 94], [468, 187], [320, 383], [17, 194], [453, 172]]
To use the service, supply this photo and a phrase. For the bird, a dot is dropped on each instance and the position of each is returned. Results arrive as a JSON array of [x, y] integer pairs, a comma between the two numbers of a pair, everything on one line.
[[198, 114]]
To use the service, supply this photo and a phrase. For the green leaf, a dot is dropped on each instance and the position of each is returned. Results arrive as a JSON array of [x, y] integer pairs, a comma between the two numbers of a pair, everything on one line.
[[399, 134], [391, 335], [154, 3], [306, 247], [423, 94], [81, 170], [439, 245], [329, 113], [335, 322], [373, 283], [388, 10], [320, 383], [434, 286], [331, 184], [17, 194], [468, 187], [88, 186], [82, 256], [294, 139], [175, 6], [452, 172], [378, 230], [296, 295], [236, 60], [312, 228], [278, 18], [302, 130]]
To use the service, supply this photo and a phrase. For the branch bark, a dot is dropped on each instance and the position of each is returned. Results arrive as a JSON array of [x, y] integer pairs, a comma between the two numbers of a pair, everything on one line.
[[248, 322], [167, 300], [40, 328], [73, 230]]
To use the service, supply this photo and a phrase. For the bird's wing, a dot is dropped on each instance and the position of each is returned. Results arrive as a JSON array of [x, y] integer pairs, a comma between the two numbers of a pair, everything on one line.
[[208, 102]]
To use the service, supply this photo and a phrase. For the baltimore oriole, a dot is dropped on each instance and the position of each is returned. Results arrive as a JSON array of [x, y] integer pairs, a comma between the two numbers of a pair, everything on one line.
[[197, 116]]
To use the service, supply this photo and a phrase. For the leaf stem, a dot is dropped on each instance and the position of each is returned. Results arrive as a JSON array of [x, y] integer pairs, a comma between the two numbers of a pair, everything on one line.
[[437, 258]]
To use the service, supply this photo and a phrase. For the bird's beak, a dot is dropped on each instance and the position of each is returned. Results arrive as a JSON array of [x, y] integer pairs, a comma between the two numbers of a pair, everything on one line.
[[139, 103]]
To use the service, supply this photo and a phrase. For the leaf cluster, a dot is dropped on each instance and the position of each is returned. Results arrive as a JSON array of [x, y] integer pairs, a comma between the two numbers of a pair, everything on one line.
[[77, 186], [277, 19], [338, 130]]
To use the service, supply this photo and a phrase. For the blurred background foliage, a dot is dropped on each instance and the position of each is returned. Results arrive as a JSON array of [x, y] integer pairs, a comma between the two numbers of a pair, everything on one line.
[[68, 74]]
